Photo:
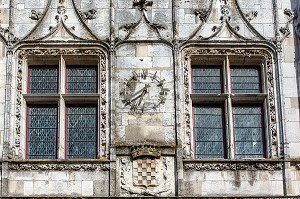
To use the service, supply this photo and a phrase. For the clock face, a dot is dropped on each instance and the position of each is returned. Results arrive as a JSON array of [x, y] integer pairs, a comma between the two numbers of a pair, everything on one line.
[[143, 92]]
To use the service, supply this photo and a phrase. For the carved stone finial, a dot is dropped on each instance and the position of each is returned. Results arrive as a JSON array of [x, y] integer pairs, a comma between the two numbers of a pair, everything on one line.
[[225, 11], [201, 13], [61, 10], [142, 4], [35, 15]]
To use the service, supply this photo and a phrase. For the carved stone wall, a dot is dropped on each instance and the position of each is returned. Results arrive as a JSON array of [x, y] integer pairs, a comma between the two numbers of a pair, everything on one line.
[[145, 48]]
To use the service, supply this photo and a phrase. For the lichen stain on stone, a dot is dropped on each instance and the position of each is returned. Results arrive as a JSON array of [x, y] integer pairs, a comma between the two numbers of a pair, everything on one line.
[[252, 177], [237, 179]]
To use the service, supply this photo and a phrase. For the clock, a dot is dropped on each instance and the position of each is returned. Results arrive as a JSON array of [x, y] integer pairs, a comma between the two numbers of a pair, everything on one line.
[[143, 91]]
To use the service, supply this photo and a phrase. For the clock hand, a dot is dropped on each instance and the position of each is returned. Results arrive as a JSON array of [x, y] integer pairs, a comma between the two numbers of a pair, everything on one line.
[[145, 88], [142, 96]]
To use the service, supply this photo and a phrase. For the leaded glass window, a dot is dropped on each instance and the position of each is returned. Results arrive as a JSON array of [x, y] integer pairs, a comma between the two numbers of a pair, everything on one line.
[[62, 100], [248, 132], [206, 79], [81, 132], [245, 80], [82, 79], [226, 122], [42, 132], [209, 131], [43, 79]]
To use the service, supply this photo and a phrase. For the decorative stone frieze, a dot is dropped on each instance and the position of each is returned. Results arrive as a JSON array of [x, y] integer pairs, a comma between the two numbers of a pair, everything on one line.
[[265, 54], [58, 166], [231, 166]]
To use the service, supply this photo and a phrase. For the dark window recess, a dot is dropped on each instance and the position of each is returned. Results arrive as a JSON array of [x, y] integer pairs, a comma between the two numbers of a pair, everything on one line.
[[245, 80]]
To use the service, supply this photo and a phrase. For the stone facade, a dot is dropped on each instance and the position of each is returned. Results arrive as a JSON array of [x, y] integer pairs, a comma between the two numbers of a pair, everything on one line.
[[145, 51]]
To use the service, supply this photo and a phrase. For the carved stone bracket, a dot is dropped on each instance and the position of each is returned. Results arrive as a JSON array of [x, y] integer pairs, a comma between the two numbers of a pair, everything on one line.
[[266, 55], [58, 166], [23, 54], [232, 166]]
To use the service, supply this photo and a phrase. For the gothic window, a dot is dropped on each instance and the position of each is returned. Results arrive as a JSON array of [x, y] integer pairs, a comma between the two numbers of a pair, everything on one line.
[[228, 97], [62, 107]]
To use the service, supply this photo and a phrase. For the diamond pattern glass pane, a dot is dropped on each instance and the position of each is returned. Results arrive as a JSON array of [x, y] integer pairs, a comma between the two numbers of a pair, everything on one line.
[[81, 132], [208, 124], [248, 132], [245, 80], [43, 79], [42, 132], [206, 80], [82, 80]]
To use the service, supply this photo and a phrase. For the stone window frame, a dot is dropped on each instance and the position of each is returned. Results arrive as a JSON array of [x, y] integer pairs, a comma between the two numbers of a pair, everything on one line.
[[272, 147], [17, 149]]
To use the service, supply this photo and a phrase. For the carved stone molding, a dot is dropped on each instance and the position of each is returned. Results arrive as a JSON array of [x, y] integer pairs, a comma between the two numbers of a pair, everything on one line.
[[266, 55], [58, 166], [232, 166], [23, 54]]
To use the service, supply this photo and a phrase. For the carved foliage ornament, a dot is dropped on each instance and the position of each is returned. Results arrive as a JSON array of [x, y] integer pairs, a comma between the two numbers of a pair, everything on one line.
[[23, 54], [266, 55], [286, 30], [234, 166], [57, 167]]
